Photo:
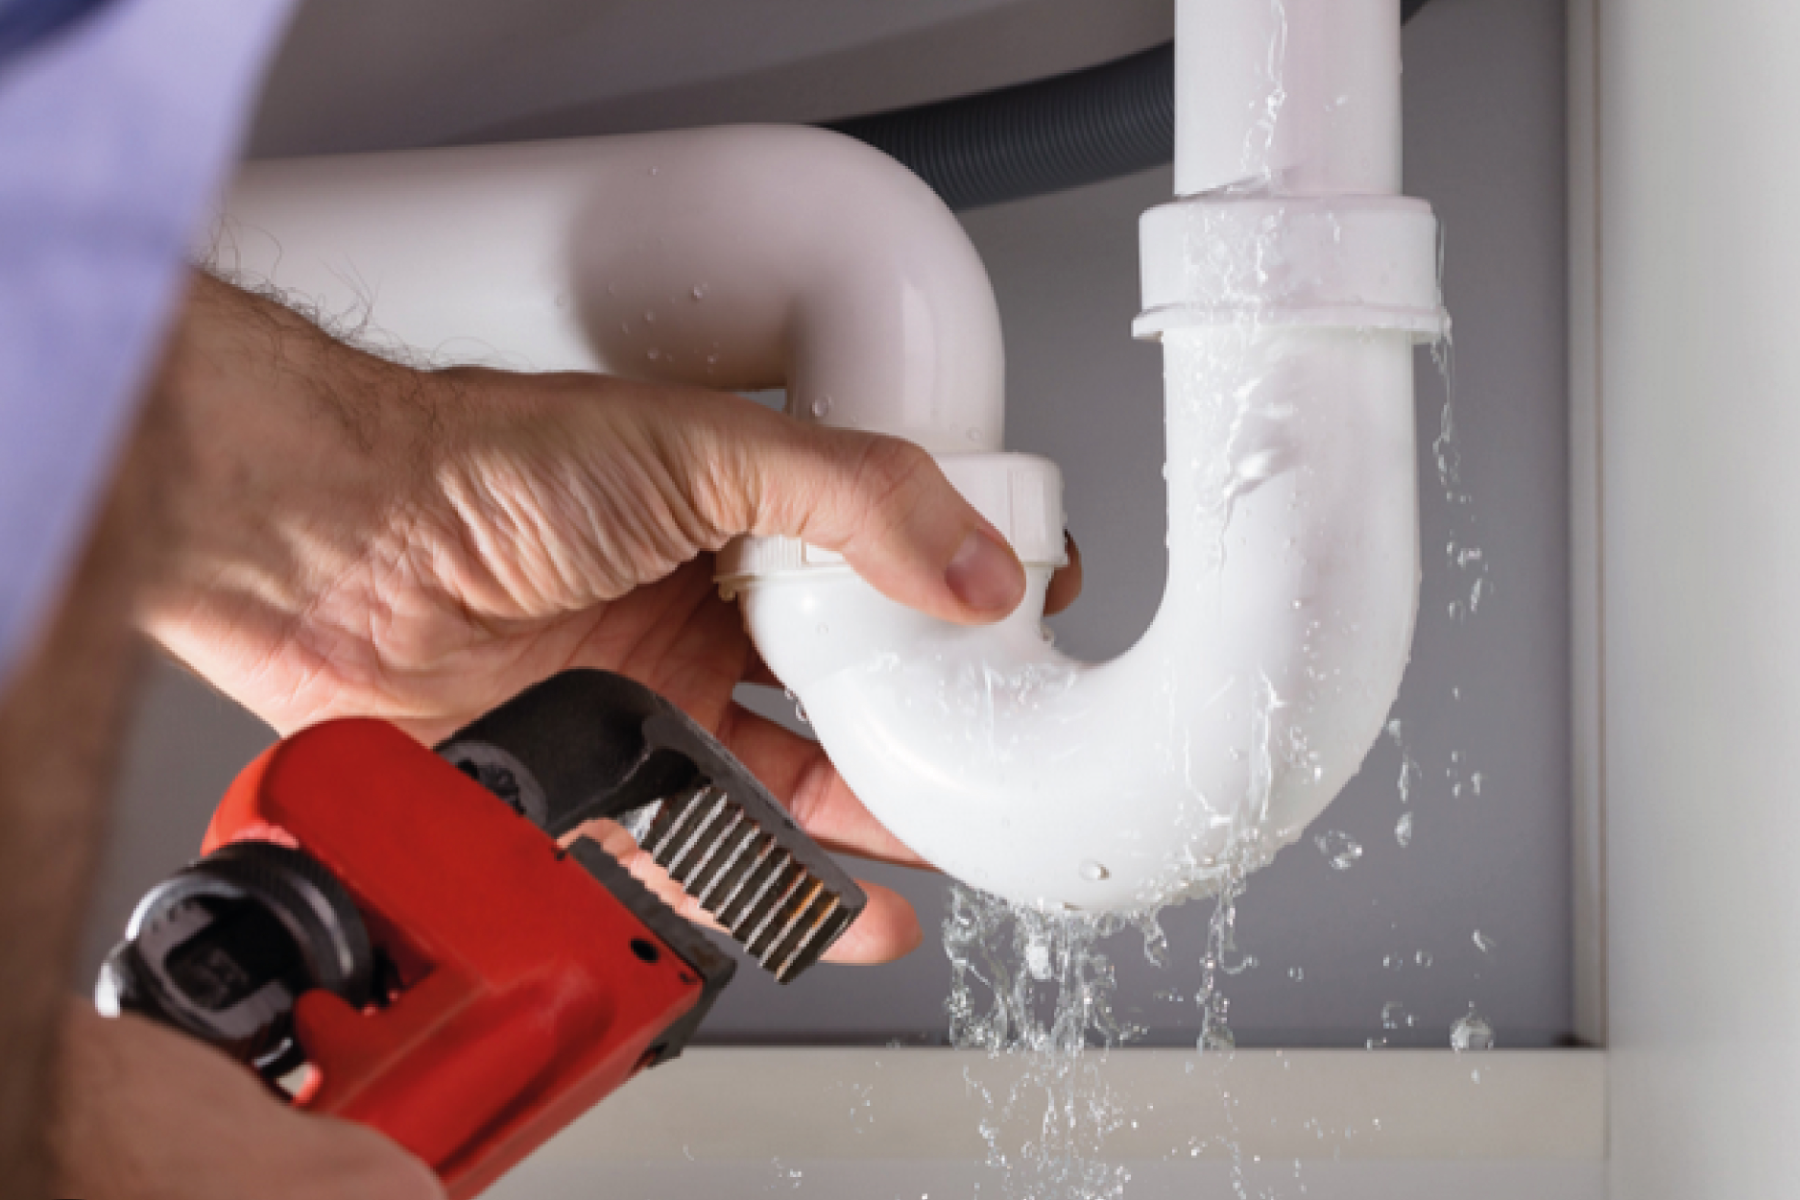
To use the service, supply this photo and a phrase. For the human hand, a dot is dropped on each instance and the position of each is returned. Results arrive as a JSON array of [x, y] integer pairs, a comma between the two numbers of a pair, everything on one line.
[[142, 1113], [358, 538]]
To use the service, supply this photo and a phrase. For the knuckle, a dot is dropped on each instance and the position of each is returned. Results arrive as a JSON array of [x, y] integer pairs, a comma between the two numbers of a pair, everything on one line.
[[892, 477], [812, 790]]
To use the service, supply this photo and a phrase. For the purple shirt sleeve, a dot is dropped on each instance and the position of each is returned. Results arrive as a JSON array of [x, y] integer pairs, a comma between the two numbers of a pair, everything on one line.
[[115, 136]]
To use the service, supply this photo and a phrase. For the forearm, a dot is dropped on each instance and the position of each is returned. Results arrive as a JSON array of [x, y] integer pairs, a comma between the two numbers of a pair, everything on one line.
[[60, 725]]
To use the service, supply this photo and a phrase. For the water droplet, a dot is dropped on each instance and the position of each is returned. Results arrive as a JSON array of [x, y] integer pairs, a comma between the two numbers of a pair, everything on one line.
[[1094, 872], [824, 629], [699, 292], [974, 435], [1339, 849], [1423, 958], [1471, 1031], [821, 408], [1297, 974], [1218, 1038], [562, 300], [1393, 1015], [1484, 943], [1376, 1043], [1475, 783], [1037, 959], [653, 354], [1403, 829], [649, 317], [655, 170]]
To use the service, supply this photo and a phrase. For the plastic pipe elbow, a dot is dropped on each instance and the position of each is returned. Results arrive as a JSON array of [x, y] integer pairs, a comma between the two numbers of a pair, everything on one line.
[[741, 258]]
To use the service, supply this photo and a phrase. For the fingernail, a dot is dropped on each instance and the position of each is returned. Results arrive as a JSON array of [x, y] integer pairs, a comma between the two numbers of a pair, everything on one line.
[[984, 574]]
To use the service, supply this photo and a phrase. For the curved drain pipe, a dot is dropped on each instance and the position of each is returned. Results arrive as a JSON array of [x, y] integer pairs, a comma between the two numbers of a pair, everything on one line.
[[1287, 286], [745, 258]]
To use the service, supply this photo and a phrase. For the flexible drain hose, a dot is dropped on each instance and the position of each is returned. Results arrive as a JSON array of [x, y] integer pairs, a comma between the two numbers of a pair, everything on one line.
[[1040, 137]]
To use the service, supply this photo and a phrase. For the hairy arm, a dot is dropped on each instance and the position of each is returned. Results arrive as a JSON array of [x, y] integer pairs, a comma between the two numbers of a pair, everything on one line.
[[61, 719], [122, 1109]]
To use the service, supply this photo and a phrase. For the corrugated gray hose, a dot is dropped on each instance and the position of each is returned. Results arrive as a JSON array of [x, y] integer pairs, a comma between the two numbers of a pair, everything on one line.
[[1040, 137]]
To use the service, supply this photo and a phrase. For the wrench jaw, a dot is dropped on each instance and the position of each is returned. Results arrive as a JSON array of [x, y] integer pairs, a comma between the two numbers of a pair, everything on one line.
[[591, 745]]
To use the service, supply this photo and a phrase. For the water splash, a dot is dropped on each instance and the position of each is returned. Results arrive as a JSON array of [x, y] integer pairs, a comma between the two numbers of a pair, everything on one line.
[[1467, 563], [1221, 943], [1410, 772], [1395, 1016], [1034, 987], [786, 1178], [1471, 1031], [1259, 140], [1339, 849]]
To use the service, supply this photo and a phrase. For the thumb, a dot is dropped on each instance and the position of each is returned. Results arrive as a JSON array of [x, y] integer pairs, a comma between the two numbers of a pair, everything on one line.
[[879, 501]]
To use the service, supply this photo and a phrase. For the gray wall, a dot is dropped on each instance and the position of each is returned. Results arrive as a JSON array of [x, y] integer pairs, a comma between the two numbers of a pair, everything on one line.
[[1489, 694]]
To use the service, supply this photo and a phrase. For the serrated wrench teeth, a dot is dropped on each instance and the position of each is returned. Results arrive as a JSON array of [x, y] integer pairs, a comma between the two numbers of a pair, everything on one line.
[[780, 912]]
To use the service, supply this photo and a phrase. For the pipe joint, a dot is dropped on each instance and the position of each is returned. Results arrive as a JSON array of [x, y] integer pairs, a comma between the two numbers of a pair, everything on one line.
[[1021, 495], [1363, 262]]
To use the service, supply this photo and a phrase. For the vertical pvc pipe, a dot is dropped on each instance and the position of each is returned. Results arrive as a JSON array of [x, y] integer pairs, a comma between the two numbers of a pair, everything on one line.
[[1294, 97]]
